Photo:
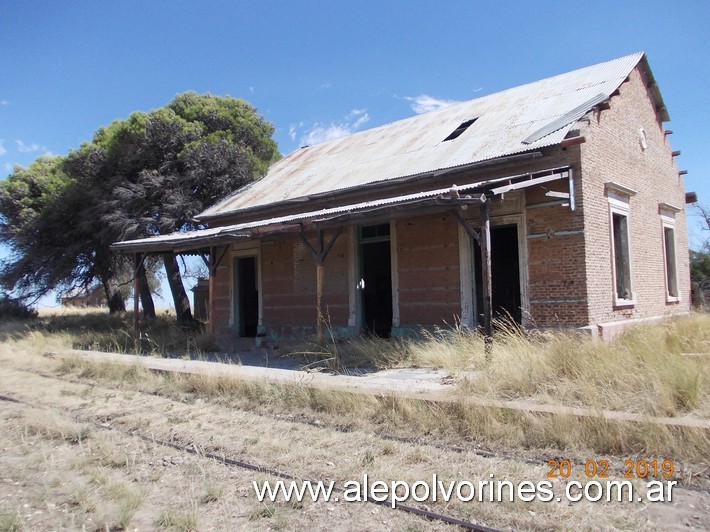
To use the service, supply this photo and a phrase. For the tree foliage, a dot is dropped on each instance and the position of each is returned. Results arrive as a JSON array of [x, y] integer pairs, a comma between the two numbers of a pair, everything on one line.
[[146, 175], [42, 225], [700, 262]]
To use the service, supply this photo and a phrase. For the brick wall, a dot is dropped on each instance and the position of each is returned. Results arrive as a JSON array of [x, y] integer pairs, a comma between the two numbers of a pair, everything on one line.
[[289, 284], [569, 266], [557, 288], [428, 270], [223, 294], [613, 152]]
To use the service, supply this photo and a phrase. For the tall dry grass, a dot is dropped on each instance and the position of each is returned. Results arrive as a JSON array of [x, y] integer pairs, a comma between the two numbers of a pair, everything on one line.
[[95, 329], [457, 422], [644, 370]]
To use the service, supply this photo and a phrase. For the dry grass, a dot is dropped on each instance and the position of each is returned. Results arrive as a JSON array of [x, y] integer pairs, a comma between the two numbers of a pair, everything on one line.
[[643, 371], [96, 329], [456, 422], [118, 480], [179, 520]]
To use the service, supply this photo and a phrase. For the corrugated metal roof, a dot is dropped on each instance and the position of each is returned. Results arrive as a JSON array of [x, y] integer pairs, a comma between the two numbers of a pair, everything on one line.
[[414, 146], [217, 235]]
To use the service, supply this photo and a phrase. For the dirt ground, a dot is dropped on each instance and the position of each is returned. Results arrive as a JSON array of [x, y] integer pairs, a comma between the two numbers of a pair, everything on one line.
[[78, 454]]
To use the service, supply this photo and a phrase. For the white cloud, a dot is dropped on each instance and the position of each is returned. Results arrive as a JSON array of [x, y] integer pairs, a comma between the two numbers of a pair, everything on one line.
[[361, 118], [293, 130], [3, 151], [353, 122], [425, 103], [319, 133], [26, 148], [31, 148]]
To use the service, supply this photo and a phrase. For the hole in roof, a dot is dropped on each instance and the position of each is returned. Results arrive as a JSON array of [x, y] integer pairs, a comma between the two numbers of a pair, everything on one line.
[[456, 133]]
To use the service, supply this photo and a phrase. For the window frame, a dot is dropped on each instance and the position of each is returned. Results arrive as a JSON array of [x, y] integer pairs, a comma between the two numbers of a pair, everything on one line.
[[618, 197], [668, 223]]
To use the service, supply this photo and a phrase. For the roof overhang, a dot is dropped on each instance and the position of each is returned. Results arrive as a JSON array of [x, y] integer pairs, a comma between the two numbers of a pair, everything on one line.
[[378, 187], [438, 200]]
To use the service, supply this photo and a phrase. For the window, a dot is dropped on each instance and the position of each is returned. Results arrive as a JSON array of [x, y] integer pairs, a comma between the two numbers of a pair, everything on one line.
[[370, 232], [668, 213], [622, 257], [671, 275], [456, 133], [620, 225]]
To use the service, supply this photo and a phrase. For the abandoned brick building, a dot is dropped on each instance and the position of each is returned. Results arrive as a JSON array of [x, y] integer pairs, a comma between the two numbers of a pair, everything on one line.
[[567, 186]]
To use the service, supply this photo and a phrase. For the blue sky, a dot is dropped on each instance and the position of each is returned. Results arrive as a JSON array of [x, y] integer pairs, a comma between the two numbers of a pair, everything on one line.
[[319, 69]]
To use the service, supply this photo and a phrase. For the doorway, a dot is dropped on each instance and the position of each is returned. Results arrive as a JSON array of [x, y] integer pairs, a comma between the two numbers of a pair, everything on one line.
[[246, 291], [376, 279], [505, 273]]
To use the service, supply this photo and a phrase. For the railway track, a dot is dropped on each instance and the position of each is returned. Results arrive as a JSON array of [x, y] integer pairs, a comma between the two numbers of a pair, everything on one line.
[[231, 462], [317, 424], [222, 455]]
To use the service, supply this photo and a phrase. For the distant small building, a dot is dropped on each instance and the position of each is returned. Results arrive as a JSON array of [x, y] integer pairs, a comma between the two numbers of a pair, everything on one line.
[[200, 299], [85, 297]]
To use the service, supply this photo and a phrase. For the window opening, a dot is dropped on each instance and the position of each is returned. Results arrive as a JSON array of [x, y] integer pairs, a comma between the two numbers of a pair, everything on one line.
[[671, 273], [622, 259], [459, 130], [371, 232]]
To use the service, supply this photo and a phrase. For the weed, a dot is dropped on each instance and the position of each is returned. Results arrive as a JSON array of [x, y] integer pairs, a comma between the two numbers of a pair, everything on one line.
[[129, 500], [213, 492], [11, 521], [368, 459], [179, 520], [53, 428], [263, 512], [82, 500]]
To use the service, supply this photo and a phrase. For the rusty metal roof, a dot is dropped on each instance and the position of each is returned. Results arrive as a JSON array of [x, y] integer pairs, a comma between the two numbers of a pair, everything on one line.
[[513, 121], [191, 240]]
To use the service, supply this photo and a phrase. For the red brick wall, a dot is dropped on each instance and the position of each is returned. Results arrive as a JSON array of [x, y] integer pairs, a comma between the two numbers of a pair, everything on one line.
[[556, 261], [289, 283], [223, 295], [613, 153], [428, 270], [569, 267]]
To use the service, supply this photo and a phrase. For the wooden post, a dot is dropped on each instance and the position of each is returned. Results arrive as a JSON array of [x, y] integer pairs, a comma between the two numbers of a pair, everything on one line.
[[211, 291], [319, 256], [486, 275], [320, 276], [137, 259]]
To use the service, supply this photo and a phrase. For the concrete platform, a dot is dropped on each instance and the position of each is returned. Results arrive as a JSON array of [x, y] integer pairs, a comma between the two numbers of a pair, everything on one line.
[[415, 383]]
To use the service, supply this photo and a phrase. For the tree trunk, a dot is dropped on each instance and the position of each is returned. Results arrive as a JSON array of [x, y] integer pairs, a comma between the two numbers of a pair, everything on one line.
[[113, 295], [182, 303], [145, 295]]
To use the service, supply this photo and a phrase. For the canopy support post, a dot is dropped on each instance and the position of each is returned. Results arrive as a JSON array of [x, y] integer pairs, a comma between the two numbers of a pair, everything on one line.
[[138, 259], [485, 241], [319, 255]]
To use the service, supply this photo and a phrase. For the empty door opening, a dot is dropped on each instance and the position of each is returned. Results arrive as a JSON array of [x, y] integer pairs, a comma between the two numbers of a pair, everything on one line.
[[246, 290], [505, 273], [376, 279]]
